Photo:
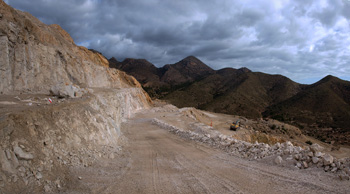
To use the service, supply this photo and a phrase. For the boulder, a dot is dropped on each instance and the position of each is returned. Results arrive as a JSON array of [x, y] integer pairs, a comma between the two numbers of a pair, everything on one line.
[[278, 160], [327, 159], [315, 160], [5, 164], [305, 165], [299, 165], [276, 146], [334, 169], [316, 148], [22, 154], [318, 154], [288, 150], [65, 91], [311, 154]]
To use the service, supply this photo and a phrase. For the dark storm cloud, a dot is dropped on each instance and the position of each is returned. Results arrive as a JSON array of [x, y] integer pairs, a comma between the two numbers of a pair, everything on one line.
[[297, 38]]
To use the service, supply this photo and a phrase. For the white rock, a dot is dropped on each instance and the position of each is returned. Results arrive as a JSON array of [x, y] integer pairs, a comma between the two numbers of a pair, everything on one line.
[[316, 148], [311, 154], [315, 160], [5, 164], [298, 149], [47, 188], [288, 143], [327, 159], [318, 154], [21, 169], [22, 154], [38, 175], [62, 90], [288, 150], [276, 146], [290, 157], [334, 169], [278, 160], [299, 165]]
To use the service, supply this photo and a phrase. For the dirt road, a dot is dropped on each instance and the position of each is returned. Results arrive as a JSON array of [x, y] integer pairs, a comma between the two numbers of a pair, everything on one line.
[[156, 161]]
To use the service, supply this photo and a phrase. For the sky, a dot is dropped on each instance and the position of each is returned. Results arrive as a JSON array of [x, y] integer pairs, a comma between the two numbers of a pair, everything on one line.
[[304, 40]]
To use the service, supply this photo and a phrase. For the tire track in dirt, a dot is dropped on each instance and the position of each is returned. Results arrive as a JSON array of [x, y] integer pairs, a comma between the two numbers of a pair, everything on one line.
[[207, 178], [286, 177], [161, 162], [155, 172]]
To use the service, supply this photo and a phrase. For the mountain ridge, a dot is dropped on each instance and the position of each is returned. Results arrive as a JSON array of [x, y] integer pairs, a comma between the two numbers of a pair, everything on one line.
[[253, 95]]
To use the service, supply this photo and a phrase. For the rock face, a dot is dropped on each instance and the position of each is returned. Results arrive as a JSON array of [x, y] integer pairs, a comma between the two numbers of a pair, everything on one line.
[[34, 57], [39, 144]]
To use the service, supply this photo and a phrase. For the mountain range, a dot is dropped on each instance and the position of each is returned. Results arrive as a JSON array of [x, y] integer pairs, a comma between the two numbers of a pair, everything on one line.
[[321, 109]]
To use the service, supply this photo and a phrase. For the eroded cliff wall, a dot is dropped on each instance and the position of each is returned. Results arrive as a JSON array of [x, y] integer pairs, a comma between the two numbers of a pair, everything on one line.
[[41, 141], [35, 56]]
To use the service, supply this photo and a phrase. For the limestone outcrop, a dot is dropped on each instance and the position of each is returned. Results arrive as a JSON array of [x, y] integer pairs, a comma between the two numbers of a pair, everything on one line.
[[35, 56], [62, 106], [39, 144]]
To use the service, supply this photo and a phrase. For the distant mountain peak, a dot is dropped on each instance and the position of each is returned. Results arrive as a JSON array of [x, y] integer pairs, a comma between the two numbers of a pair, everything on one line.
[[245, 70], [328, 78], [137, 62], [192, 62], [114, 60], [190, 58]]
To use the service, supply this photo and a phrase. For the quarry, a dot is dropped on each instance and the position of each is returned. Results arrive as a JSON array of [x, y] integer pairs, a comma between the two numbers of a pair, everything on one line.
[[71, 124]]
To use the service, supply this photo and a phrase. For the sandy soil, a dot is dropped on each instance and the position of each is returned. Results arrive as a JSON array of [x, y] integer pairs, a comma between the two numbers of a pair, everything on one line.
[[156, 161]]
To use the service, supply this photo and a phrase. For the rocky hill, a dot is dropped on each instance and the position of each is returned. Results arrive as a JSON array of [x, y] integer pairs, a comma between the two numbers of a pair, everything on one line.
[[235, 91], [321, 109], [144, 71], [187, 70], [159, 82], [191, 83], [43, 135]]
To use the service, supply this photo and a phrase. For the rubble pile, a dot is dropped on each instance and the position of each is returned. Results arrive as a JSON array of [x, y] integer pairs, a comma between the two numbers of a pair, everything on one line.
[[283, 153]]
